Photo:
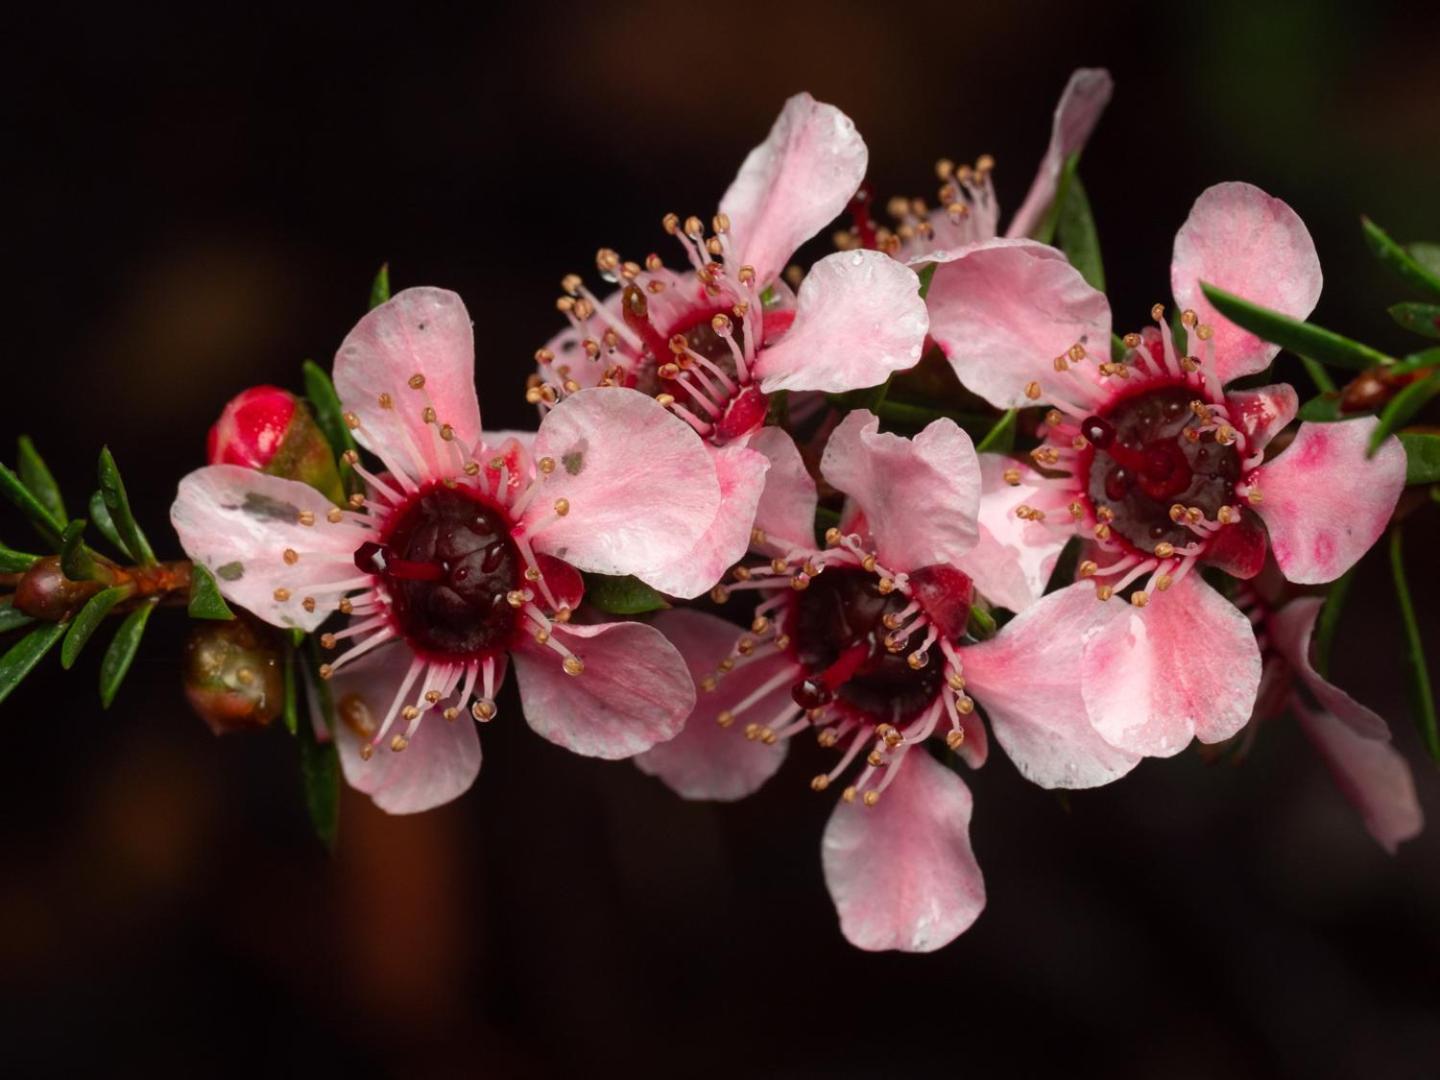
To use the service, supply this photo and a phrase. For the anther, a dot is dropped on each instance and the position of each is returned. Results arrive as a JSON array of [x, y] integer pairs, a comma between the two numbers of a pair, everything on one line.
[[1032, 391], [573, 665], [483, 710]]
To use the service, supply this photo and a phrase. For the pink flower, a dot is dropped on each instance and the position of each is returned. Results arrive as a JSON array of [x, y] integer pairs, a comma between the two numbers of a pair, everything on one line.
[[1353, 740], [251, 428], [464, 558], [1159, 467], [864, 641]]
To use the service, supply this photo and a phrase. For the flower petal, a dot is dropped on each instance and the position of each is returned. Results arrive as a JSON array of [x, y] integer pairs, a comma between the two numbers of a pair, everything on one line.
[[442, 759], [240, 523], [1028, 679], [1186, 665], [1291, 629], [635, 690], [707, 761], [1324, 502], [793, 184], [902, 873], [424, 332], [1253, 245], [786, 514], [888, 477], [860, 317], [1013, 558], [1003, 310], [639, 485], [1085, 97], [1262, 412]]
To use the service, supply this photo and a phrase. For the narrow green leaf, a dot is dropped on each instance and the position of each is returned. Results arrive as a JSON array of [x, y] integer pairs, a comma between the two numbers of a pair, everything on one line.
[[320, 766], [1418, 318], [1422, 457], [1179, 333], [289, 713], [1399, 261], [1404, 405], [1045, 231], [1424, 696], [906, 415], [1302, 338], [330, 415], [380, 287], [1330, 620], [1322, 409], [1318, 375], [75, 558], [1427, 255], [622, 595], [1423, 359], [25, 654], [205, 599], [88, 621], [1078, 237], [982, 624], [927, 275], [100, 515], [121, 653], [16, 562], [1118, 349], [37, 477], [1001, 437], [112, 490], [14, 490], [10, 619]]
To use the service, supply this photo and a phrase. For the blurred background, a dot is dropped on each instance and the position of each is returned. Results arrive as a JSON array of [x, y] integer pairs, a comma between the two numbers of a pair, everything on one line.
[[196, 208]]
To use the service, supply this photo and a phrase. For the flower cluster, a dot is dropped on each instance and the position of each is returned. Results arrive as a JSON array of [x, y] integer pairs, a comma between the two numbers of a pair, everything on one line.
[[704, 434]]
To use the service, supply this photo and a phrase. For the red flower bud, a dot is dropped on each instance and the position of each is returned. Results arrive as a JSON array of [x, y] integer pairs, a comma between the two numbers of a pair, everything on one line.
[[233, 675], [271, 430]]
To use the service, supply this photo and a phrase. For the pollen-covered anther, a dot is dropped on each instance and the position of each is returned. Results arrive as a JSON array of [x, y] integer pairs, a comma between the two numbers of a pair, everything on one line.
[[1032, 391], [1105, 514], [1189, 364], [1132, 341], [308, 603], [1204, 332], [964, 705], [573, 665], [327, 641], [719, 594], [1163, 582], [366, 751], [752, 732], [428, 415], [1225, 435], [800, 581], [1102, 531], [1104, 592], [875, 759], [1088, 568], [1164, 550], [1010, 476], [351, 421], [356, 501], [483, 710], [827, 737], [1045, 455], [562, 507], [1226, 515], [281, 595], [1077, 510], [345, 607], [871, 797], [1140, 599], [451, 713], [820, 782], [917, 660], [1158, 312], [1189, 319], [307, 517], [848, 794], [885, 586], [1177, 513], [385, 401], [955, 738]]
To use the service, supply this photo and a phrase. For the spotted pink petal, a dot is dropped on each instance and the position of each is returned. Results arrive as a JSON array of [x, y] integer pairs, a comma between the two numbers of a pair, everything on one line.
[[888, 477], [707, 761], [1246, 242], [1186, 665], [1291, 630], [860, 317], [1324, 502], [440, 762], [1262, 413], [793, 184], [1085, 97], [639, 486], [1002, 312], [902, 873], [240, 523], [634, 692], [786, 513], [1028, 679], [425, 332], [1013, 558]]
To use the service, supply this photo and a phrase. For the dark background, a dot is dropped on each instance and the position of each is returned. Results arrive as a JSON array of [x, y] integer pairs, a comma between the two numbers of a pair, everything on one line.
[[196, 208]]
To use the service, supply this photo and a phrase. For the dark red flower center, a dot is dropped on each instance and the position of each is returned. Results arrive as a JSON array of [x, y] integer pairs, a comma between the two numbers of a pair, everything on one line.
[[448, 563]]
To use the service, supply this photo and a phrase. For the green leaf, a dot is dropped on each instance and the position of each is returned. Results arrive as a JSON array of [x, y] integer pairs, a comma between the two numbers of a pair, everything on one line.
[[205, 599], [1302, 338], [101, 517], [330, 415], [380, 287], [1427, 255], [1420, 687], [320, 768], [1179, 333], [982, 624], [1422, 457], [1322, 408], [1330, 619], [46, 524], [927, 275], [622, 595], [1045, 231], [1001, 437], [825, 520], [25, 654], [112, 490], [1318, 375], [1078, 237], [88, 620], [15, 562], [1399, 261], [1399, 409], [289, 714], [75, 558], [1119, 350], [36, 476], [121, 653], [906, 415], [10, 619], [1423, 359], [1418, 318]]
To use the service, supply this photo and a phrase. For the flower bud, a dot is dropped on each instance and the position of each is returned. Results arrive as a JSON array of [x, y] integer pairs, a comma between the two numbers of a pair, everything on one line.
[[271, 430], [44, 592], [233, 674]]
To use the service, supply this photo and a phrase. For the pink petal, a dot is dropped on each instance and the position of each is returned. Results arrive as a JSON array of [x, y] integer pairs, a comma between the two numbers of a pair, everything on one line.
[[793, 184], [640, 485], [1186, 665], [423, 332], [635, 690], [888, 477], [442, 759], [1242, 240], [902, 873], [707, 761], [1003, 310], [1291, 629], [1085, 97], [741, 474], [240, 523], [786, 514], [1324, 502], [1262, 413], [1013, 558], [1027, 678], [860, 317]]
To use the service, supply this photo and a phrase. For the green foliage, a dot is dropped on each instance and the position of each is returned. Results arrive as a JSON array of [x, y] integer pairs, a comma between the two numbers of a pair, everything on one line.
[[36, 476], [1077, 236], [15, 562], [25, 654], [1001, 437], [121, 653], [1403, 406], [11, 618], [1302, 338], [1322, 409], [1422, 457], [380, 287], [1329, 620], [1399, 261], [75, 558], [1418, 318], [88, 621], [927, 275], [37, 513], [330, 416], [127, 529], [320, 768], [205, 599], [982, 625], [101, 518], [622, 595], [1421, 690]]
